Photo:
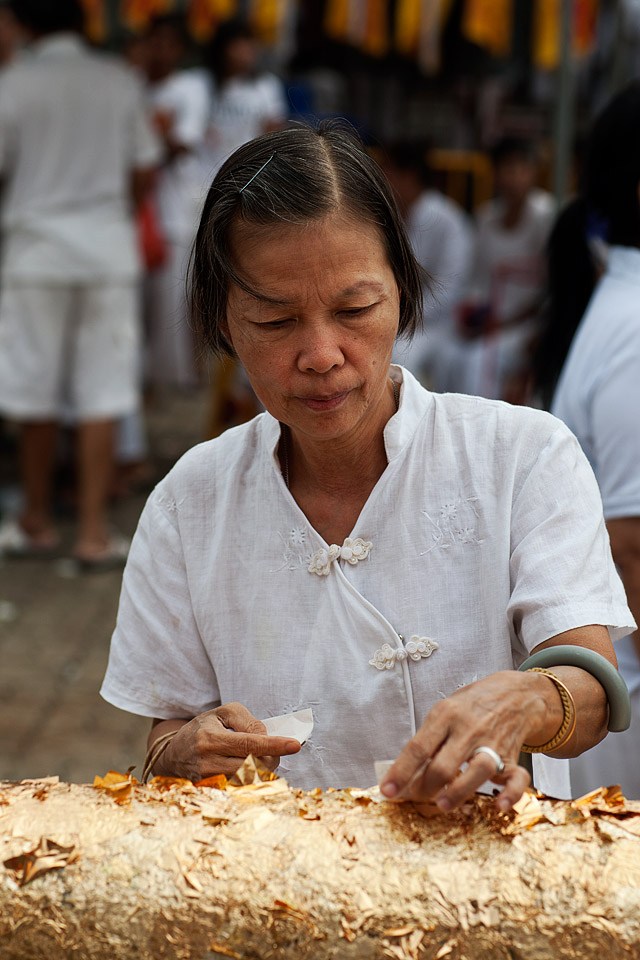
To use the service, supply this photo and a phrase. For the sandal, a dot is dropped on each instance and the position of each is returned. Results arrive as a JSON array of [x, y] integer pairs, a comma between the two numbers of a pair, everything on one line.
[[15, 542], [111, 557]]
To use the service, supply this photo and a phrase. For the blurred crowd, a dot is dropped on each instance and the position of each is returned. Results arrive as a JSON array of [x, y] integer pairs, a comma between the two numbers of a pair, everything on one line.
[[105, 161]]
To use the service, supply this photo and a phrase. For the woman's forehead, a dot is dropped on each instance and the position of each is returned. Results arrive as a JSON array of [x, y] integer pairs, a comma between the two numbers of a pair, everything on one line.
[[282, 263]]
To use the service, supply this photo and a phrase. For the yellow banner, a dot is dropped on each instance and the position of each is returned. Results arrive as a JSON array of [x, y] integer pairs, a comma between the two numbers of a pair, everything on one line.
[[267, 18], [489, 23], [136, 14], [336, 20], [95, 20], [376, 35], [203, 16], [547, 30]]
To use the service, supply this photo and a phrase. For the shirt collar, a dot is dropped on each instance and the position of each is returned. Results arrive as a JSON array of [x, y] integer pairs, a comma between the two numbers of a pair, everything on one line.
[[414, 402], [57, 44]]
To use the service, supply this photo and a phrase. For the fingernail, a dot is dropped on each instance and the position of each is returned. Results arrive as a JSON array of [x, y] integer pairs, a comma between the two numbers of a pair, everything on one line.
[[444, 804], [503, 804], [389, 789]]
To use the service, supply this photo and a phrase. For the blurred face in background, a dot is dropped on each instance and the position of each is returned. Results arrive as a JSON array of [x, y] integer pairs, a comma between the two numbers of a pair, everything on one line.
[[165, 51], [240, 57], [515, 178], [11, 37]]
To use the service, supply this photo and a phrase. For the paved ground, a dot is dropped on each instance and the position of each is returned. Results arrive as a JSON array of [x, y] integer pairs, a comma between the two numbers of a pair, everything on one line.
[[54, 640]]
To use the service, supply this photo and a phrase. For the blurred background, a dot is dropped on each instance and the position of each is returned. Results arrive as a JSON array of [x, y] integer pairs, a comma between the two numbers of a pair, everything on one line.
[[476, 109]]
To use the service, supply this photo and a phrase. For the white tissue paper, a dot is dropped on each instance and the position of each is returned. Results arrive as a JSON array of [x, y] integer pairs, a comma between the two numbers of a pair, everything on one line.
[[296, 725]]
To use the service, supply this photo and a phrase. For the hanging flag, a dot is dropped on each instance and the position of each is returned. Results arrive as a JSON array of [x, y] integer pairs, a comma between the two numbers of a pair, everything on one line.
[[489, 24], [547, 30], [407, 27], [95, 20], [376, 28], [136, 14], [337, 20], [267, 18], [203, 16], [418, 30]]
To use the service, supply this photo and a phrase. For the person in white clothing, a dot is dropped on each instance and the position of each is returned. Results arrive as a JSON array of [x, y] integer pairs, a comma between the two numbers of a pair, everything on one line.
[[441, 236], [245, 101], [492, 353], [376, 553], [598, 396], [76, 148], [180, 103]]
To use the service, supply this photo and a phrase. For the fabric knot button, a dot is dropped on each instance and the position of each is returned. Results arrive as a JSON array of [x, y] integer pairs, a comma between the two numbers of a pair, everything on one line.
[[419, 648], [352, 551], [384, 658]]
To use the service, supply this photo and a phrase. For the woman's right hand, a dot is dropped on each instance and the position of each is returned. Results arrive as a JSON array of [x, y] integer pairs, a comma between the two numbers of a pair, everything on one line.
[[218, 741]]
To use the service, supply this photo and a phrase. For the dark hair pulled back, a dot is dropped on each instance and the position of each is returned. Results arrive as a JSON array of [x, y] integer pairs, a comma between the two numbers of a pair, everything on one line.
[[295, 176]]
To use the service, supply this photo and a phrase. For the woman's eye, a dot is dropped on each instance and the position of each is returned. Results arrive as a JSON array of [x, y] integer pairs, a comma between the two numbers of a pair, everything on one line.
[[354, 311], [275, 324]]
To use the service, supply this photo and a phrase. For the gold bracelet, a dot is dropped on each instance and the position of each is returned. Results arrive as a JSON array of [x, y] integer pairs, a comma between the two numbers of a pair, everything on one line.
[[568, 724], [154, 753]]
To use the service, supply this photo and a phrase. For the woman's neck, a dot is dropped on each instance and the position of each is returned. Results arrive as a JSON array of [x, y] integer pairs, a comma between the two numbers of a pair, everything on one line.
[[332, 480]]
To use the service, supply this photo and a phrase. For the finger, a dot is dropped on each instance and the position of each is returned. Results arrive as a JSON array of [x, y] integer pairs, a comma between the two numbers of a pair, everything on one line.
[[516, 780], [413, 762], [479, 769], [232, 744], [237, 717]]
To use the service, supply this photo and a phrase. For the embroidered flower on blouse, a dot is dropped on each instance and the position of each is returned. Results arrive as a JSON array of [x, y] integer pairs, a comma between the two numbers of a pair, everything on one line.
[[352, 551], [298, 536], [418, 648], [455, 522]]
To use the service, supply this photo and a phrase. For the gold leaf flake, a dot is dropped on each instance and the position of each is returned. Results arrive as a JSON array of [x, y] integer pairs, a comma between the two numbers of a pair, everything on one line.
[[117, 785], [48, 855], [224, 951], [252, 771]]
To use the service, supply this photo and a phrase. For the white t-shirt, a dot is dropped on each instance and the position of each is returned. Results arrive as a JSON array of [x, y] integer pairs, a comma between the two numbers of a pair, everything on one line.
[[183, 182], [509, 270], [598, 396], [242, 109], [73, 127], [486, 537], [442, 239]]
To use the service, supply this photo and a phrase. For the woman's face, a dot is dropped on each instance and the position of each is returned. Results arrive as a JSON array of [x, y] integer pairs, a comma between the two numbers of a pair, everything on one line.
[[317, 341]]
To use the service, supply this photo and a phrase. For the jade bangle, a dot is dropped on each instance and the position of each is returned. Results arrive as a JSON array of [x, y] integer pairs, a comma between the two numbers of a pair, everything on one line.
[[567, 655]]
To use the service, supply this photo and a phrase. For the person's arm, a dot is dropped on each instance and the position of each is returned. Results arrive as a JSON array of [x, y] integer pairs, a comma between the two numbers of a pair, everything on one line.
[[142, 181], [216, 742], [624, 533], [561, 571], [502, 711]]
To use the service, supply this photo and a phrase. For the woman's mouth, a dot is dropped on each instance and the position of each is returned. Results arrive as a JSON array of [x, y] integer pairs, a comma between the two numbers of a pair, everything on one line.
[[320, 403]]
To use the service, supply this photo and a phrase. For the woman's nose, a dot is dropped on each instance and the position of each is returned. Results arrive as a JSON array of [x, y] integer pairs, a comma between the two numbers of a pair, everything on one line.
[[320, 350]]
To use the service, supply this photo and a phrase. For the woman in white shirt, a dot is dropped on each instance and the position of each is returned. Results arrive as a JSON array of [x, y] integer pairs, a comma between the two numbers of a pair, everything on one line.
[[379, 554]]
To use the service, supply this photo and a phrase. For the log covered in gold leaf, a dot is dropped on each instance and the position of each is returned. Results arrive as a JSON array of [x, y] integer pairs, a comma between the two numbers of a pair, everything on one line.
[[262, 871]]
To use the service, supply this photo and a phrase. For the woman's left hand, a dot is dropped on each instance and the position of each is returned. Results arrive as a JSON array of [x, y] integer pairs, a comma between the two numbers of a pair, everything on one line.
[[498, 712]]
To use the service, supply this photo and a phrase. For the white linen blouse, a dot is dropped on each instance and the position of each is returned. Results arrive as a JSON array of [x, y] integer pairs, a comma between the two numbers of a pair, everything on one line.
[[483, 537]]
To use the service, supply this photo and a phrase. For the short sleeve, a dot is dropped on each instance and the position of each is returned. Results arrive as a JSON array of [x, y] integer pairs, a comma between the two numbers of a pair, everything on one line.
[[274, 103], [616, 436], [562, 572], [192, 118], [145, 147], [158, 666]]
